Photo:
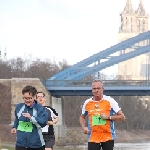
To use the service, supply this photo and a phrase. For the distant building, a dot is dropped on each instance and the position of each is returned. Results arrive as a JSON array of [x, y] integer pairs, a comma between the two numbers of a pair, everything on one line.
[[132, 24]]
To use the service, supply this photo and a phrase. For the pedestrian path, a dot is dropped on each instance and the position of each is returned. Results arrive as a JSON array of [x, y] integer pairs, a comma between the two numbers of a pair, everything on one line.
[[13, 145]]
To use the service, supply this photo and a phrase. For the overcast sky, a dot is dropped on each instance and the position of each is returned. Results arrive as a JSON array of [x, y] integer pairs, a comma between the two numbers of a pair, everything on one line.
[[60, 29]]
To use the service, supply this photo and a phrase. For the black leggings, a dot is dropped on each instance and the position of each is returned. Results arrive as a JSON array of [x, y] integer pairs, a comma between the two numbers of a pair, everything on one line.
[[109, 145], [24, 148]]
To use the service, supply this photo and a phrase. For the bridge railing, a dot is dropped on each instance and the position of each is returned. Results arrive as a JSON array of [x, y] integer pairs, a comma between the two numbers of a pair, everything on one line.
[[77, 83]]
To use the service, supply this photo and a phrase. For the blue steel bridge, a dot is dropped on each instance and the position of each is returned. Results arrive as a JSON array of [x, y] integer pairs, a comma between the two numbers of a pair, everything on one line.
[[111, 87], [70, 81]]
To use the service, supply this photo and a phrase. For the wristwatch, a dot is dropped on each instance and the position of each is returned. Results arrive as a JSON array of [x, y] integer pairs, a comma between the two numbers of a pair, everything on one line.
[[110, 117]]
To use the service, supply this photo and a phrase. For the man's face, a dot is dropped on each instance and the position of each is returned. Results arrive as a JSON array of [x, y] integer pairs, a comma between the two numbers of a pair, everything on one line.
[[41, 98], [97, 89], [28, 99]]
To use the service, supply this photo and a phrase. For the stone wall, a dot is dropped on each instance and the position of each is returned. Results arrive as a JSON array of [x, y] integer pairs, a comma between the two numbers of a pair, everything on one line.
[[5, 102], [5, 82]]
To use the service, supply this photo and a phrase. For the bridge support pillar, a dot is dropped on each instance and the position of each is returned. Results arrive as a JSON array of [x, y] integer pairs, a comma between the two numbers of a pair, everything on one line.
[[60, 127]]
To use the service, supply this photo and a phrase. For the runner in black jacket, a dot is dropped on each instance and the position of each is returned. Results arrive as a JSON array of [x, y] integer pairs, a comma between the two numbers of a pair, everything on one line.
[[48, 130]]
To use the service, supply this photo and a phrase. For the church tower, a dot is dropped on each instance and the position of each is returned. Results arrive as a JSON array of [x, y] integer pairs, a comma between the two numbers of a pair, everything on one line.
[[132, 24]]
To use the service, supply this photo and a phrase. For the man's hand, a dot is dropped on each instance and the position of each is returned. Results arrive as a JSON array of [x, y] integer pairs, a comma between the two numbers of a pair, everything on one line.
[[26, 115], [104, 116], [86, 130], [13, 130], [50, 123], [56, 120]]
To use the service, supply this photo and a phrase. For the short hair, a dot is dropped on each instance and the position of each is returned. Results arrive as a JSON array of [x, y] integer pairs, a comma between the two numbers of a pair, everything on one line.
[[97, 80], [42, 93], [29, 89]]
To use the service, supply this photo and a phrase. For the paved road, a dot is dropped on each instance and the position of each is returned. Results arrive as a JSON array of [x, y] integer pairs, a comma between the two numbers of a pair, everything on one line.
[[13, 145]]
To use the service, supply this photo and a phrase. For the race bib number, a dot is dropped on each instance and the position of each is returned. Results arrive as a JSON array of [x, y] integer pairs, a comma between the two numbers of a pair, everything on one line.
[[97, 121], [25, 126]]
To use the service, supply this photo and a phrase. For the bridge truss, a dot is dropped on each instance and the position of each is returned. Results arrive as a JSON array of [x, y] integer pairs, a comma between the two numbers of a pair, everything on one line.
[[95, 62], [61, 83]]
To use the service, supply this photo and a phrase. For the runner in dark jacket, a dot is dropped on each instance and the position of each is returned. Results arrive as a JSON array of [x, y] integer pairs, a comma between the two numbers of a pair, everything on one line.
[[30, 117]]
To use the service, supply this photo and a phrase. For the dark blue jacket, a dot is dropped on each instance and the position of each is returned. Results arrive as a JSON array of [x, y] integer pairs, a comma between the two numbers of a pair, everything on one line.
[[39, 118]]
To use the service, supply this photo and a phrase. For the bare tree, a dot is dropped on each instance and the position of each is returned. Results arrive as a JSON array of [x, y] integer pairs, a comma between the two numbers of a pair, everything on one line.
[[17, 67], [73, 106]]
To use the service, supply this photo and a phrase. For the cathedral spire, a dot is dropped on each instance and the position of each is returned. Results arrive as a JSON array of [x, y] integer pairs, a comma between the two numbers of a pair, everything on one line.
[[141, 11], [128, 8]]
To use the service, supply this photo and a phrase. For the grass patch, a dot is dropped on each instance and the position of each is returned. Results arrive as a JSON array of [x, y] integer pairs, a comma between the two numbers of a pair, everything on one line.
[[6, 147]]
